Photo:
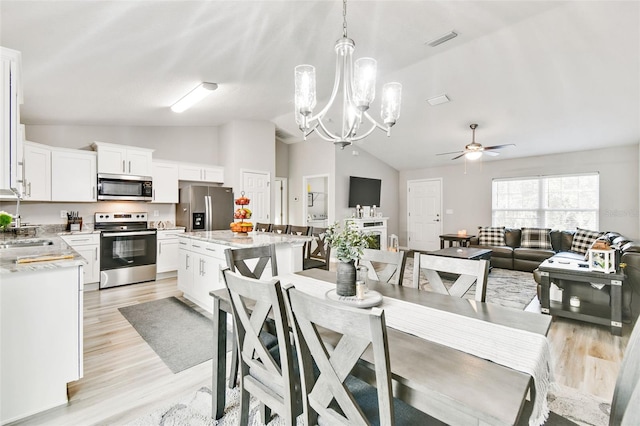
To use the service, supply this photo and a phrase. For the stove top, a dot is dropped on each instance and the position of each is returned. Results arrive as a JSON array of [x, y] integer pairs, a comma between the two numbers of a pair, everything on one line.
[[121, 221]]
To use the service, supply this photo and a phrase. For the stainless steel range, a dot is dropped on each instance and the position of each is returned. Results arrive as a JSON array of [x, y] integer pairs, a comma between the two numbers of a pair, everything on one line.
[[127, 249]]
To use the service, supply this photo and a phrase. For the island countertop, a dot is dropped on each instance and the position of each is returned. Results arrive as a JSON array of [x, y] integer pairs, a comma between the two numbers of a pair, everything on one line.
[[59, 252], [253, 239]]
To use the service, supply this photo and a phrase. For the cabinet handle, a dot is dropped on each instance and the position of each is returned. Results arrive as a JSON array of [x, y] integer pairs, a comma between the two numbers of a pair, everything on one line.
[[193, 245], [160, 247], [93, 192], [154, 195], [129, 166], [123, 169], [182, 243], [29, 185], [210, 249], [203, 268], [76, 240], [186, 261], [96, 249]]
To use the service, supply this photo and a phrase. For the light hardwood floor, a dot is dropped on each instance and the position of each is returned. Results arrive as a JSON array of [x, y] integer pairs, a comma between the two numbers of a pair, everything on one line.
[[124, 378]]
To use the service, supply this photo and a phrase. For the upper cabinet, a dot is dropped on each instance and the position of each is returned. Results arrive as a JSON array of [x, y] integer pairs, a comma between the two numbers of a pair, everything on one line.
[[10, 99], [121, 159], [165, 182], [201, 173], [36, 172], [73, 175]]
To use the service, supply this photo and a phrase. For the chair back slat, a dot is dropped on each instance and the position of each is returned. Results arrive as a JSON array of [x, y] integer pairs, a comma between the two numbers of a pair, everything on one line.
[[298, 230], [279, 229], [260, 257], [262, 227], [626, 390], [359, 329], [384, 266], [470, 271]]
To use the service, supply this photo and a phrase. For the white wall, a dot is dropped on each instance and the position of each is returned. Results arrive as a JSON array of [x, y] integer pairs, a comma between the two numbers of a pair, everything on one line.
[[366, 165], [309, 158], [188, 144], [469, 195]]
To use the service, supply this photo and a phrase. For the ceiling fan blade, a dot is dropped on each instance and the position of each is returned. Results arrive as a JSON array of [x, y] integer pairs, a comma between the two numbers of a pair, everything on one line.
[[461, 155], [491, 153], [498, 146], [449, 153]]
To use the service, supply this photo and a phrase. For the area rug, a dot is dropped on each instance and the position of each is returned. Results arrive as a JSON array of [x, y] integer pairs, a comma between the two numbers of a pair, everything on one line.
[[181, 336], [512, 289], [195, 410]]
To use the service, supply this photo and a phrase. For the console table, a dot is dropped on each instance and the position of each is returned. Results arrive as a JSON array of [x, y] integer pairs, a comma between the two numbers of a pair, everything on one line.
[[462, 240], [590, 312]]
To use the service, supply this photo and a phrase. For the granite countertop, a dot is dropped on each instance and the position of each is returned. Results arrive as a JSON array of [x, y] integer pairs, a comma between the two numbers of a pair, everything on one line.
[[9, 256], [253, 239]]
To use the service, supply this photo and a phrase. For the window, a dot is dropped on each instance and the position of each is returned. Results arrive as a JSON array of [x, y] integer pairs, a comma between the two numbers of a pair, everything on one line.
[[557, 202]]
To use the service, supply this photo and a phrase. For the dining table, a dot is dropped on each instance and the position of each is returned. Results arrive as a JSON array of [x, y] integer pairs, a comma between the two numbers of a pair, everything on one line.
[[449, 384]]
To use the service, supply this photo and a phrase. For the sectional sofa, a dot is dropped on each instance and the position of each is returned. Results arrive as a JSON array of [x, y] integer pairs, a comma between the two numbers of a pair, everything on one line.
[[511, 255]]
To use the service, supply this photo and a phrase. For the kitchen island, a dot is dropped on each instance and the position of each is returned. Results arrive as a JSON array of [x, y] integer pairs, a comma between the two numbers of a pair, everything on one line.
[[40, 325], [201, 258]]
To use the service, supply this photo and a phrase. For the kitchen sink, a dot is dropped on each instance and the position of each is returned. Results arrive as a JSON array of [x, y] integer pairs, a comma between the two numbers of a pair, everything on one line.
[[25, 243]]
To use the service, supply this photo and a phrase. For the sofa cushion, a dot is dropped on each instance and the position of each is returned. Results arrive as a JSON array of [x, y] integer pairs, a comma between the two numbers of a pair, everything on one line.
[[536, 238], [491, 236], [583, 238], [532, 254]]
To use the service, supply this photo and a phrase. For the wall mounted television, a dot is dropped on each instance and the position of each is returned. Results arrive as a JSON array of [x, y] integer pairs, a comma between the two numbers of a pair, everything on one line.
[[364, 191]]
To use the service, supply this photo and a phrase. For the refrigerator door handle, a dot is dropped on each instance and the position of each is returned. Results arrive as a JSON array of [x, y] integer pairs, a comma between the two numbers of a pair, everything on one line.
[[207, 213], [210, 215]]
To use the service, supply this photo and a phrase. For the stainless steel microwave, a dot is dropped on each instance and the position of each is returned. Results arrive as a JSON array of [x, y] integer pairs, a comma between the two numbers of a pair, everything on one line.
[[124, 187]]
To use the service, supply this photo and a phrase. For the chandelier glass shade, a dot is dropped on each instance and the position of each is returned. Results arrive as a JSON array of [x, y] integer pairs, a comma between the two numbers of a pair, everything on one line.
[[354, 87]]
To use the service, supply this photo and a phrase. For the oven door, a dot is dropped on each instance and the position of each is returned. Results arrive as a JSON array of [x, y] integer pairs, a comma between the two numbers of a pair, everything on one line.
[[127, 257]]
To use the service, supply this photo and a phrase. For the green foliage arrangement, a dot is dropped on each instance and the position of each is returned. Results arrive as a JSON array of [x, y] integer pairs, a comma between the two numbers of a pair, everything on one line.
[[5, 220], [349, 242]]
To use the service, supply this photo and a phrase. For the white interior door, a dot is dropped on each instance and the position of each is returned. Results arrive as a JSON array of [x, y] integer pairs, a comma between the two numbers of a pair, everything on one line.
[[424, 210], [256, 187]]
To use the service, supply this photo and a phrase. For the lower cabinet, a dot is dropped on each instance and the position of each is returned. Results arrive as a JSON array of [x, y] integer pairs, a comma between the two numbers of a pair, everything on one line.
[[87, 246], [167, 250], [199, 266]]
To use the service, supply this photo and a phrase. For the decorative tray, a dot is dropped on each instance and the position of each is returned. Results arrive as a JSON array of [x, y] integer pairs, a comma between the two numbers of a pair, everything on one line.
[[371, 298]]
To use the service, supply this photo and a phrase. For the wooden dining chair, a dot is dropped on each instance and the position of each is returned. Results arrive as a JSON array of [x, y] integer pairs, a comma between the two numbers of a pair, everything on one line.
[[469, 271], [384, 266], [280, 229], [251, 262], [318, 250], [328, 388], [298, 230], [262, 227], [268, 374]]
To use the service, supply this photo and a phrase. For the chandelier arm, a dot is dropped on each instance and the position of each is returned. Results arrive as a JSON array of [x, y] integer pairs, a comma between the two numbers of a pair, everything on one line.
[[364, 135], [327, 132], [309, 131], [376, 124], [334, 92], [329, 137]]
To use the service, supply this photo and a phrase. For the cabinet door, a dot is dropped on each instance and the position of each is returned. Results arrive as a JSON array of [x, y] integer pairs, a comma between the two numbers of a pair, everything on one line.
[[190, 172], [36, 167], [138, 162], [167, 256], [165, 182], [9, 118], [91, 271], [112, 159], [205, 279], [185, 270], [73, 175], [213, 174]]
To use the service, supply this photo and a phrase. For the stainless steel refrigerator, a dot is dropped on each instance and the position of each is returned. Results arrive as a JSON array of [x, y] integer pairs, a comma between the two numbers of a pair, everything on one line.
[[205, 208]]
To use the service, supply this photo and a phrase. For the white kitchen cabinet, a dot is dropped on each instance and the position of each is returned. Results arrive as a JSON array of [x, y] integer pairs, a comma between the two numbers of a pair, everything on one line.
[[199, 270], [73, 175], [167, 250], [41, 347], [122, 159], [10, 99], [87, 246], [165, 182], [36, 172], [201, 173]]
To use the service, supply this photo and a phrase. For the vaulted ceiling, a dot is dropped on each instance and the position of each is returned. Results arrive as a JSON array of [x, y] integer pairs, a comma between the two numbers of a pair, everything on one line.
[[547, 76]]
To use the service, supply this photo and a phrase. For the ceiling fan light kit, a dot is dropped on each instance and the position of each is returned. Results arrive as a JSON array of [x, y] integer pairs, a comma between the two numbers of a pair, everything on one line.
[[357, 83]]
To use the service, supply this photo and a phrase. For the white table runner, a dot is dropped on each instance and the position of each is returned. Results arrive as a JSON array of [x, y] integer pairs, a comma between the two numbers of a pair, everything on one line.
[[514, 348]]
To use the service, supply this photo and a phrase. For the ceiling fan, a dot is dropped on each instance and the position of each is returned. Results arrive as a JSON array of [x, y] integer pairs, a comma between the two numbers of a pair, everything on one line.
[[474, 150]]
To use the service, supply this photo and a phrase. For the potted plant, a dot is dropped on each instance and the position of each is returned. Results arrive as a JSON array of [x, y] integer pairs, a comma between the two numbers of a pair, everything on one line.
[[348, 244], [5, 221]]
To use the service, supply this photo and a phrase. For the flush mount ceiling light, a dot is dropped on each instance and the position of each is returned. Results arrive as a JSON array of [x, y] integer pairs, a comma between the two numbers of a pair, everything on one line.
[[357, 83], [193, 97], [445, 37]]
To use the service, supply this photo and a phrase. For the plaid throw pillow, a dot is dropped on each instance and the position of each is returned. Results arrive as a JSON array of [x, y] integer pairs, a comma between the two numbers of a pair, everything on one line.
[[536, 238], [583, 238], [491, 236]]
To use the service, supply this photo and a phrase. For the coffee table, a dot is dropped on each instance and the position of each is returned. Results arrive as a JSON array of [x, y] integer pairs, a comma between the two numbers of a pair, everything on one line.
[[462, 240], [464, 253], [610, 315]]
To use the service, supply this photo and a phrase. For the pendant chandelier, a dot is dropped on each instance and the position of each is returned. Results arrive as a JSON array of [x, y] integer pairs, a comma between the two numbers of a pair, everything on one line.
[[356, 82]]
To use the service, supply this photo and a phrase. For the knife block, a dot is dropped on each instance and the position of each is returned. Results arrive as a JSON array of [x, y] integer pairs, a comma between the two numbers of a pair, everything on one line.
[[74, 224]]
